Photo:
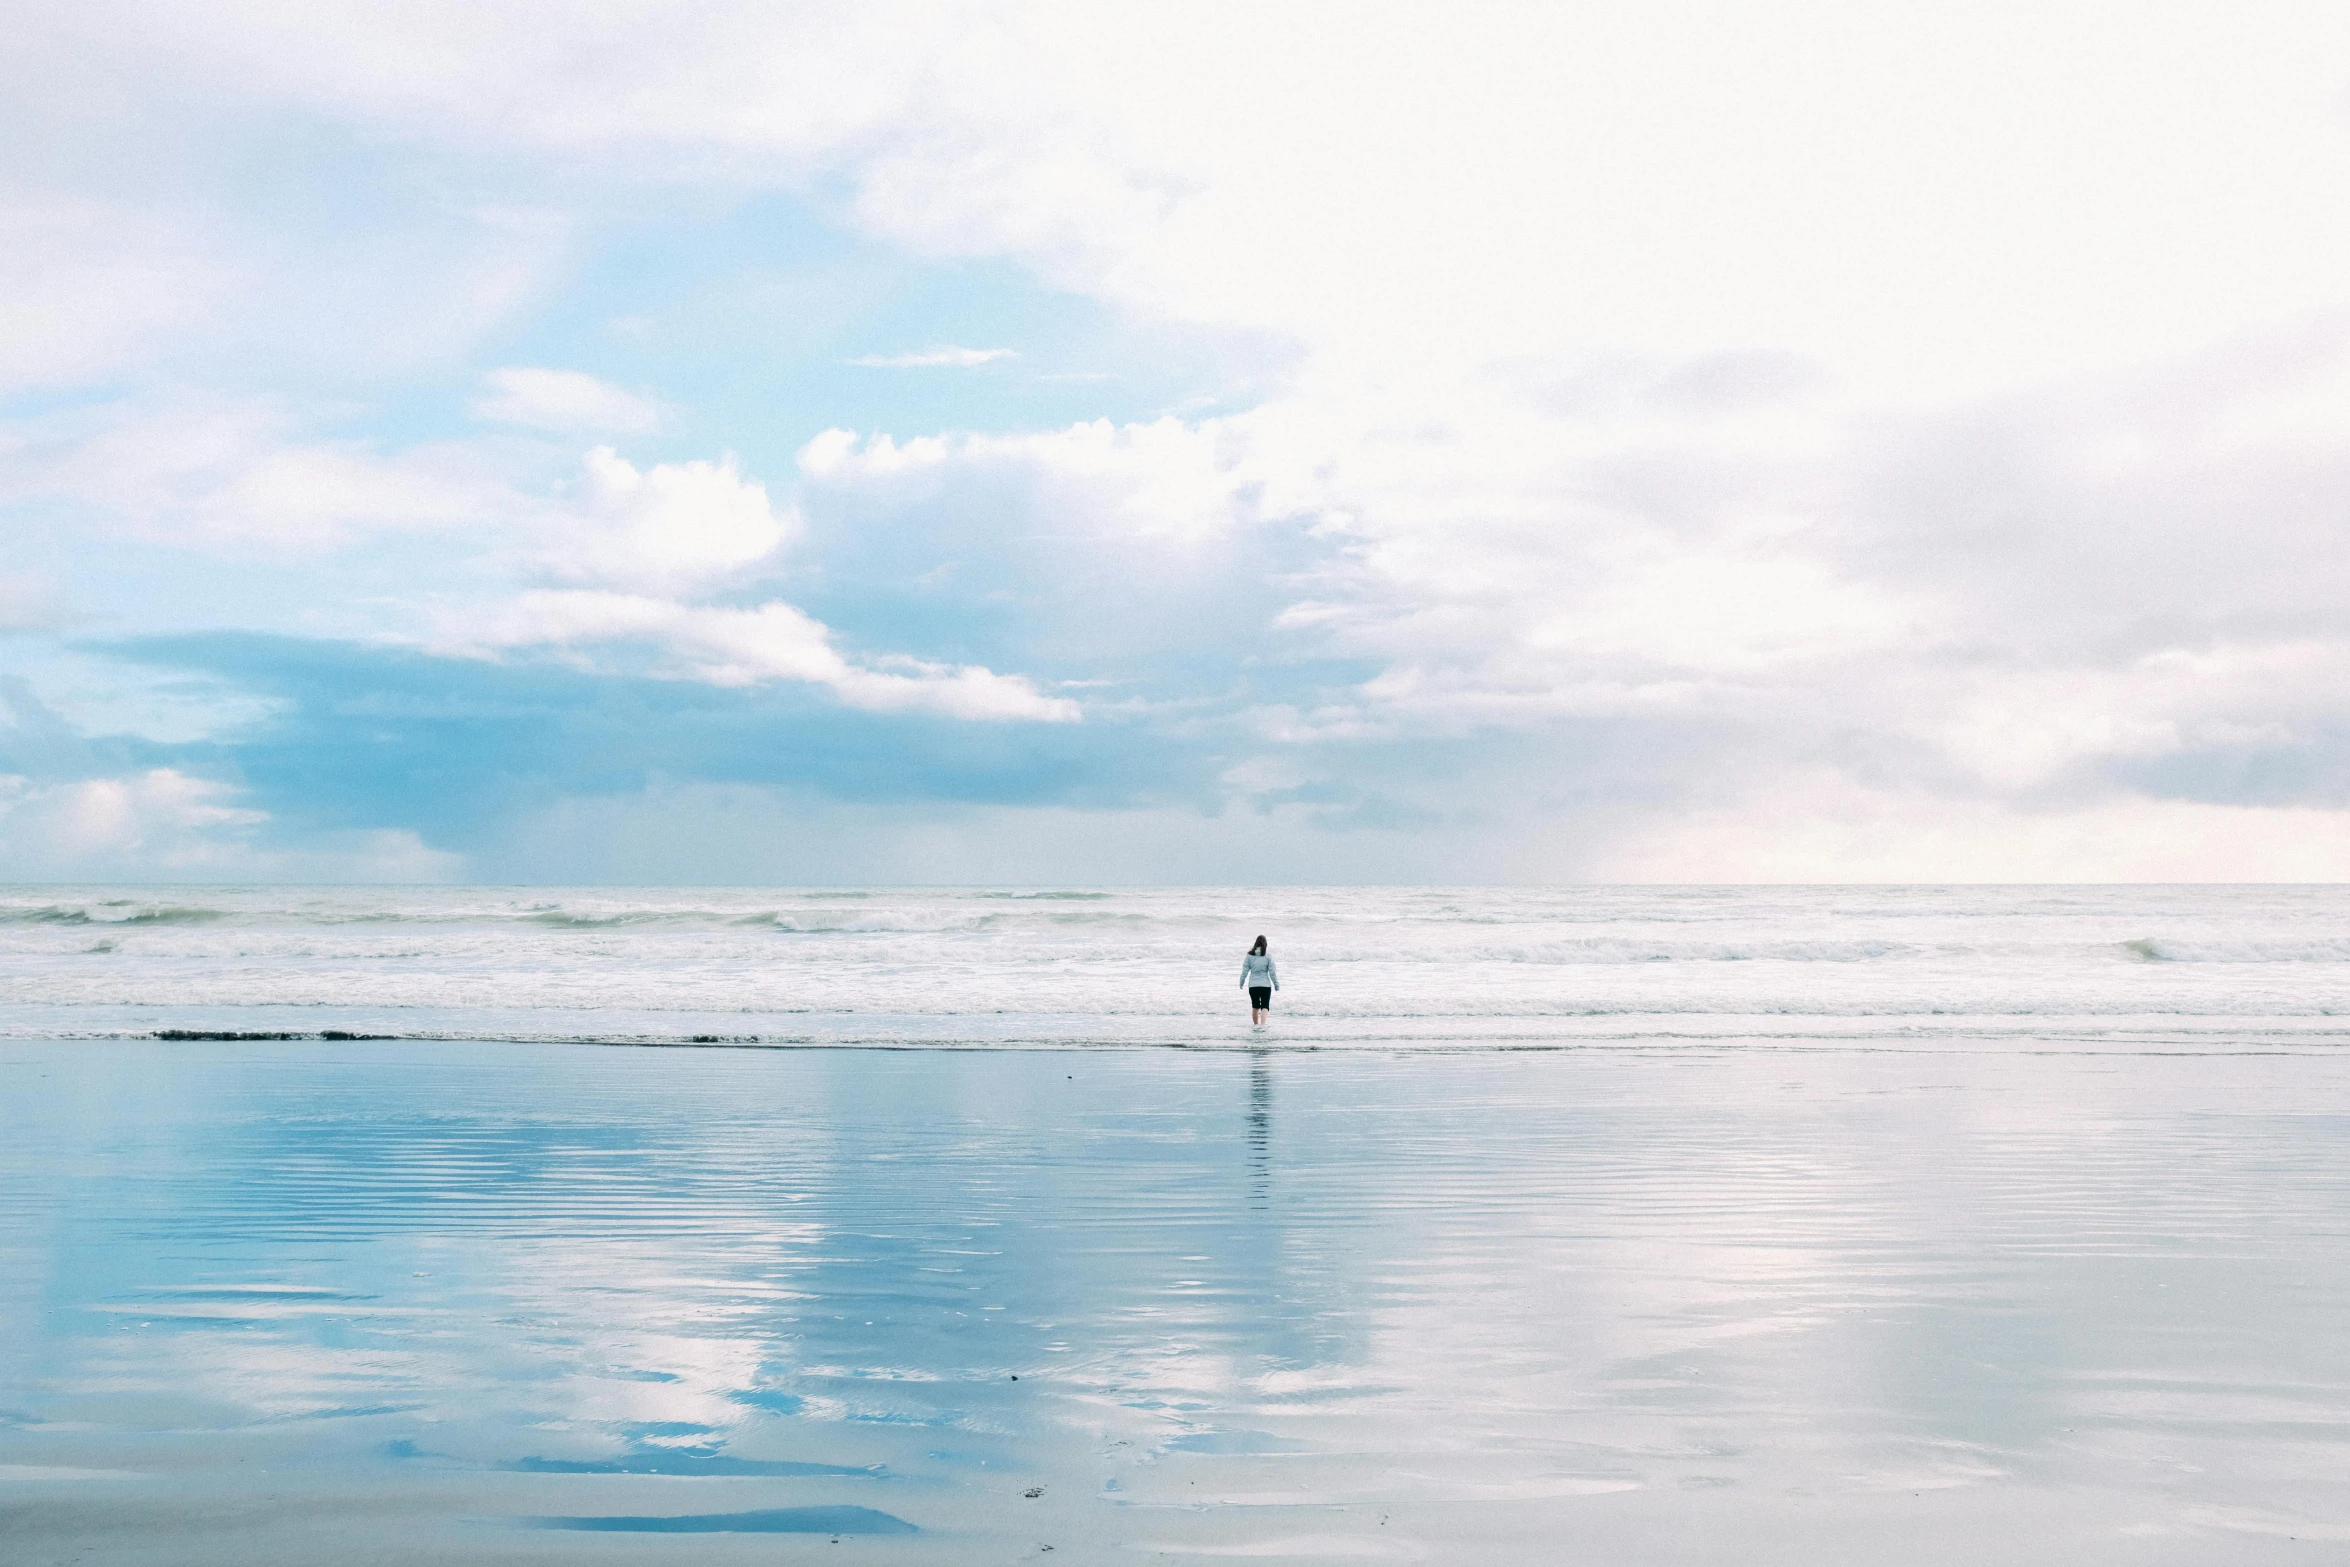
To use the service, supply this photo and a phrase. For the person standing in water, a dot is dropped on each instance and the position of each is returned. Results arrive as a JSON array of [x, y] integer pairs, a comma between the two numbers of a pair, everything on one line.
[[1259, 980]]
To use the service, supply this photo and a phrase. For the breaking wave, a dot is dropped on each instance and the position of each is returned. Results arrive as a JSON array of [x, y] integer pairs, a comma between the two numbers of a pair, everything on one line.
[[112, 913], [2159, 950]]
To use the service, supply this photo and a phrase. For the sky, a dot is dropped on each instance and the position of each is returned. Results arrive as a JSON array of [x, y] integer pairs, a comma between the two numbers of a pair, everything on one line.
[[729, 443]]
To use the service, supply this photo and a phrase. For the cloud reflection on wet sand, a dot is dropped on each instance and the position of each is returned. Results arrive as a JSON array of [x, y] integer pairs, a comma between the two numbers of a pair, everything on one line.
[[419, 1300]]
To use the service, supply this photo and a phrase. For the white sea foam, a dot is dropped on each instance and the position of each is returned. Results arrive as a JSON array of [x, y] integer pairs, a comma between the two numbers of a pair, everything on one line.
[[1360, 967]]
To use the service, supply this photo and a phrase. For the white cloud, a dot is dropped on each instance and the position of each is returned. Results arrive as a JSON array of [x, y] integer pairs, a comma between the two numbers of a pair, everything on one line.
[[1808, 828], [949, 357], [1478, 557], [238, 474], [164, 825], [1161, 480], [746, 647], [29, 603], [1923, 199], [88, 287], [327, 493], [2010, 614], [563, 400], [670, 525], [161, 811]]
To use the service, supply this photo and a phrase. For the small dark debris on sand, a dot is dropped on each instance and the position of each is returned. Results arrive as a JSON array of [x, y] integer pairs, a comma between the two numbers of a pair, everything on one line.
[[222, 1033], [232, 1034]]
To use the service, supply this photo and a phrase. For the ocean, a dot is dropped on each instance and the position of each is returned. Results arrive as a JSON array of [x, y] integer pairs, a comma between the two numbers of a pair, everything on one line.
[[1674, 1226], [2128, 967]]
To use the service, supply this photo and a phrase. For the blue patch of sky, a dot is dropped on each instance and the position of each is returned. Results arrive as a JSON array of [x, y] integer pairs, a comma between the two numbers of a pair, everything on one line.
[[41, 744], [457, 749], [114, 699], [743, 319], [738, 308], [749, 323], [126, 588]]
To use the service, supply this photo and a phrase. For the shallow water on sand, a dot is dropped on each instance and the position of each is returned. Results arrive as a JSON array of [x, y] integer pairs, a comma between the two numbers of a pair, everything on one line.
[[401, 1302]]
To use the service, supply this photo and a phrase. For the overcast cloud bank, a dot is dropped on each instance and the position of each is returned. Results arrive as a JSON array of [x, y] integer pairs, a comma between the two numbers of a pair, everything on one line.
[[1732, 442]]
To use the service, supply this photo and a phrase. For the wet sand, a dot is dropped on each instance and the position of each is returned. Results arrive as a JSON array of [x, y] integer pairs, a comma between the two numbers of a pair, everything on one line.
[[393, 1302]]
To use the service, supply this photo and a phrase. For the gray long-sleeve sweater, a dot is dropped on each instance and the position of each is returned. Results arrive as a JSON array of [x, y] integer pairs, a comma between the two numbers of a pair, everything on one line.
[[1257, 969]]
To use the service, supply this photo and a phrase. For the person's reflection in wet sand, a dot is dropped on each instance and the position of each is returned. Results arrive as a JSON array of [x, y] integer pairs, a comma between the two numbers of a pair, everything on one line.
[[1260, 1128]]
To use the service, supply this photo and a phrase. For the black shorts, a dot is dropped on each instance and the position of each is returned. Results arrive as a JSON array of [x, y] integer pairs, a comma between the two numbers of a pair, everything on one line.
[[1260, 998]]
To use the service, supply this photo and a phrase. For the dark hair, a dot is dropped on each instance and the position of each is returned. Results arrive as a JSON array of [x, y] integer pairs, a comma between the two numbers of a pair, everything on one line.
[[1260, 946]]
